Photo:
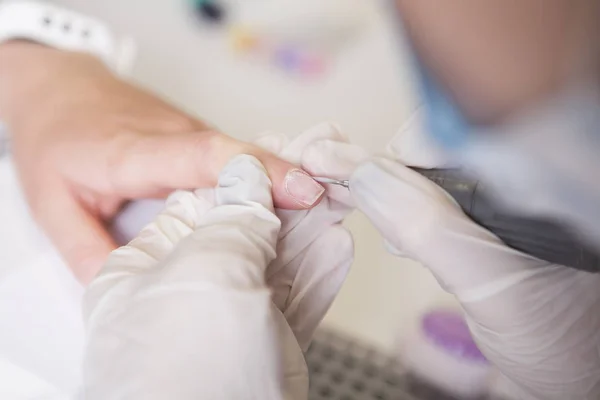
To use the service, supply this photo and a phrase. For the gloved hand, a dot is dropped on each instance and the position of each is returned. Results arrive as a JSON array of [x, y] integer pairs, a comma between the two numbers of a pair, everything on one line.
[[538, 323], [184, 309], [314, 251]]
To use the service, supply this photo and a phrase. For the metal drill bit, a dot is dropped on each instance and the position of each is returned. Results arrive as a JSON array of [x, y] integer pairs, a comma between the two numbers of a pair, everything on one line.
[[331, 181]]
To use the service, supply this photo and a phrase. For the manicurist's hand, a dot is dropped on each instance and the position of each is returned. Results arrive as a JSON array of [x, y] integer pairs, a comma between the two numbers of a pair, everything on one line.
[[536, 322], [85, 142]]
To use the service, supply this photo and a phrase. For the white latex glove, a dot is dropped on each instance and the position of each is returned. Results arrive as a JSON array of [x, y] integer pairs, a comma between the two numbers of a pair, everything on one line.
[[538, 323], [314, 251], [305, 278], [183, 311]]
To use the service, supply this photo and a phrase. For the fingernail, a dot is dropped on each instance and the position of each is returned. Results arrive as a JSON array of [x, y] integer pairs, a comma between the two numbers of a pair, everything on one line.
[[302, 187]]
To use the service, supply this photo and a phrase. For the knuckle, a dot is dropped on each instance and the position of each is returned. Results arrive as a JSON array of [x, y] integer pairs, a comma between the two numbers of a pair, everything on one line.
[[122, 149], [204, 150], [215, 150], [179, 123]]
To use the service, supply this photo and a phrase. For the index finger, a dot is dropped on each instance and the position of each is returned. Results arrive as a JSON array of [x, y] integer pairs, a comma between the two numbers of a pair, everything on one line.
[[150, 165]]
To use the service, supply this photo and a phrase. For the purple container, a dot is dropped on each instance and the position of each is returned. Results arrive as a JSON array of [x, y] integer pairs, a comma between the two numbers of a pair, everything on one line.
[[449, 331]]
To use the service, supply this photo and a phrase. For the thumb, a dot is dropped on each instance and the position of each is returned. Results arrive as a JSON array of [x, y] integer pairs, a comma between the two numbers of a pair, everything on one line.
[[154, 165], [79, 236]]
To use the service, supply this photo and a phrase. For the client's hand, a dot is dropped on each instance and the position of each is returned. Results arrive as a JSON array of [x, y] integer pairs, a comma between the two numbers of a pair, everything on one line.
[[85, 142]]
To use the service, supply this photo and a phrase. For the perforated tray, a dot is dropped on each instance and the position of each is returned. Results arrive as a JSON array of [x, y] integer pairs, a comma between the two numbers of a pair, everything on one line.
[[343, 369]]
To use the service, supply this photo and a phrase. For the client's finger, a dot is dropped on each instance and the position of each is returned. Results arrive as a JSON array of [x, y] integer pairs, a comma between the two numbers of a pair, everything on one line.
[[155, 165], [79, 236]]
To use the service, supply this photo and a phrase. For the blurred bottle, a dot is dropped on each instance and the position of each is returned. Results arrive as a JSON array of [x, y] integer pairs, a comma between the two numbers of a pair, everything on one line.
[[298, 37], [442, 353]]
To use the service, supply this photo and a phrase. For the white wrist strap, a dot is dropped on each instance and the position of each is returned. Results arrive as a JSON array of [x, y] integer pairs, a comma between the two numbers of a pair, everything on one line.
[[66, 30]]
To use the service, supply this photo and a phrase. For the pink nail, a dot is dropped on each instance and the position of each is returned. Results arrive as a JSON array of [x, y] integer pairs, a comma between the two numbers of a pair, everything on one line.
[[302, 187]]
